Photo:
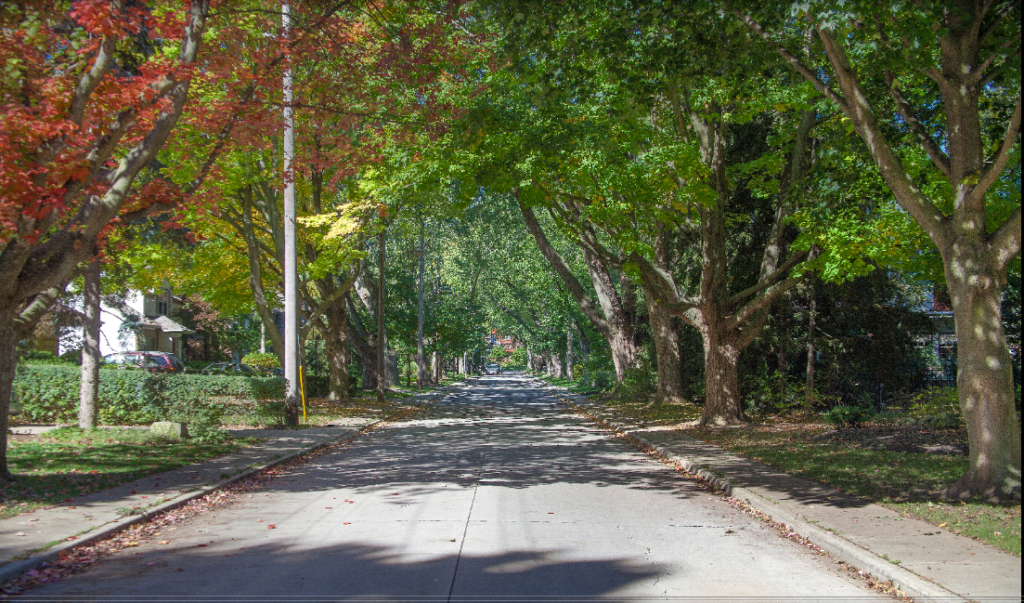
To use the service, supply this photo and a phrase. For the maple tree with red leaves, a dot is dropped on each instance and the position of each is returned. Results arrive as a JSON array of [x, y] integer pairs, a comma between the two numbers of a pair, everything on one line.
[[89, 94], [93, 89]]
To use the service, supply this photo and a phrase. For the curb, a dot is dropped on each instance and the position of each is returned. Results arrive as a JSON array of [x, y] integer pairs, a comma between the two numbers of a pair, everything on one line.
[[839, 548], [16, 569]]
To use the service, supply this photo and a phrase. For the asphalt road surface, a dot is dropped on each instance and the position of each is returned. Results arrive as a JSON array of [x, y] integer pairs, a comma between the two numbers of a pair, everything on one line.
[[495, 493]]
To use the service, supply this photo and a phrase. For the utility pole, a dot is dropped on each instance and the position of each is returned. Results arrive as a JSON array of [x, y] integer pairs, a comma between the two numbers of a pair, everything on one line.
[[419, 329], [291, 305]]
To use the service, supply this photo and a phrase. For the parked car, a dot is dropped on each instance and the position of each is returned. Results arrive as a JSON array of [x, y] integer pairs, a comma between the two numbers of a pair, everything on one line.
[[154, 362], [229, 368], [493, 369]]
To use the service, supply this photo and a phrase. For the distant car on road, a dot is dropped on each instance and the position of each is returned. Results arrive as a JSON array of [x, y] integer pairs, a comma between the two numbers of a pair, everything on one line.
[[493, 369], [154, 362], [229, 368]]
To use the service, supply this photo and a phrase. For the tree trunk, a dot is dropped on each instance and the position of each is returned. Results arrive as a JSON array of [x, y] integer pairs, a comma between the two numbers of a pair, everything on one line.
[[336, 344], [465, 363], [391, 360], [608, 316], [722, 403], [435, 367], [89, 390], [556, 366], [665, 333], [812, 309], [8, 364], [363, 344], [985, 386], [420, 362], [381, 338], [570, 358]]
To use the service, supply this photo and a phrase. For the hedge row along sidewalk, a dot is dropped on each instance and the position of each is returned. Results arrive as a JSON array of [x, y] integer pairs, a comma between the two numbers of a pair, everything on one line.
[[925, 562], [48, 532]]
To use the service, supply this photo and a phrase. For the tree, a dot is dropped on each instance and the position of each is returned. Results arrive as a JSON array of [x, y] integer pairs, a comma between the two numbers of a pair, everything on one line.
[[81, 121], [930, 90]]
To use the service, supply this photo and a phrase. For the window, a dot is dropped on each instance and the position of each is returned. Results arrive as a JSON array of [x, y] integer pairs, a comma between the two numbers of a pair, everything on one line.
[[161, 307]]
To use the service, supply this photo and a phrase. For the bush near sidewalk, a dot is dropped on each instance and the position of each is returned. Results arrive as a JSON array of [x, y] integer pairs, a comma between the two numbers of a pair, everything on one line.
[[49, 394], [69, 462]]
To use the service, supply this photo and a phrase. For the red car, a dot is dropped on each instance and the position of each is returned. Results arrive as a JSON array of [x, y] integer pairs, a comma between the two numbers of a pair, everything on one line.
[[154, 362]]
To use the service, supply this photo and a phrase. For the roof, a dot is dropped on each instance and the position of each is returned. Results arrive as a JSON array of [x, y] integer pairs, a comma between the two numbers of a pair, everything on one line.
[[164, 324]]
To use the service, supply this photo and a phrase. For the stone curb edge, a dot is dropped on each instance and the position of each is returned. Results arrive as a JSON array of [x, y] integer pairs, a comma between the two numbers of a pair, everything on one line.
[[836, 546], [16, 569]]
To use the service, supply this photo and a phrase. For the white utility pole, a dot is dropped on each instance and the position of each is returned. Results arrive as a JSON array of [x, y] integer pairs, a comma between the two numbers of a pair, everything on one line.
[[291, 305]]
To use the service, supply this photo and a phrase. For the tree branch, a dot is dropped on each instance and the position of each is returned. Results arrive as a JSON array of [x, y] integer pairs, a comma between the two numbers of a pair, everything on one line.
[[1005, 242], [996, 166], [935, 152], [793, 60]]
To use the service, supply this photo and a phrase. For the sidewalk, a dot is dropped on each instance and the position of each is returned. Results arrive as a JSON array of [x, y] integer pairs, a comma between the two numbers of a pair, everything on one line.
[[926, 562], [29, 539]]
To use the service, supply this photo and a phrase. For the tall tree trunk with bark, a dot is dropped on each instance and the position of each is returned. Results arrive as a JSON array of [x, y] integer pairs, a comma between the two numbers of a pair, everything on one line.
[[8, 363], [665, 333], [556, 366], [570, 356], [974, 255], [336, 343], [89, 390], [608, 316], [381, 338], [810, 398], [421, 367]]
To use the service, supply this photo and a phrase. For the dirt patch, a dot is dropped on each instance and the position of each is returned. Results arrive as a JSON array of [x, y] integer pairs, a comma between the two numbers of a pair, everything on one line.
[[899, 439], [22, 437]]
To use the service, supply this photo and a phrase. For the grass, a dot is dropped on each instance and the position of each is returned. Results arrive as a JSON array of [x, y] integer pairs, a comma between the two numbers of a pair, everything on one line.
[[902, 481], [320, 411], [68, 462]]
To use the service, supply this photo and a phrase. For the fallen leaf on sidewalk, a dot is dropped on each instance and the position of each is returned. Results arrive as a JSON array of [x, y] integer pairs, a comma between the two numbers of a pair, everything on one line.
[[165, 542], [271, 527]]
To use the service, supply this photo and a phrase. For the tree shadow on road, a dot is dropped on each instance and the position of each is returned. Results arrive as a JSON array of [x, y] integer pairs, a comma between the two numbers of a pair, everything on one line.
[[355, 571]]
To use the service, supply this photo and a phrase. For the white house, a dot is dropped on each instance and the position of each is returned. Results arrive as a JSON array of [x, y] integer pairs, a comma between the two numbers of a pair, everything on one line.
[[157, 332]]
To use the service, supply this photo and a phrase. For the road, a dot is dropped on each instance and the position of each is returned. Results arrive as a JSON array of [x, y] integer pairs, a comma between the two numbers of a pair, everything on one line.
[[493, 493]]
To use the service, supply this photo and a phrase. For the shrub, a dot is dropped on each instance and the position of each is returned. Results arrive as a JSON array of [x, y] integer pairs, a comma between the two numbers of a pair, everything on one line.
[[848, 416], [598, 369], [638, 384], [263, 363], [43, 357], [49, 394], [934, 401]]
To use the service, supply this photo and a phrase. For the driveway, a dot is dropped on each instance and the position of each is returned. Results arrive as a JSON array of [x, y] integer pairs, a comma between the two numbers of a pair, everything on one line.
[[493, 492]]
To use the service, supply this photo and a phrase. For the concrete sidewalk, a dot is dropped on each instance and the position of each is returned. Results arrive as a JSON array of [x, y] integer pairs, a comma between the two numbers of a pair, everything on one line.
[[28, 539], [926, 562]]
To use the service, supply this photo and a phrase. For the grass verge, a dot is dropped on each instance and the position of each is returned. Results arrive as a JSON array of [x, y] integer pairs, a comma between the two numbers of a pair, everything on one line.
[[56, 468], [902, 481]]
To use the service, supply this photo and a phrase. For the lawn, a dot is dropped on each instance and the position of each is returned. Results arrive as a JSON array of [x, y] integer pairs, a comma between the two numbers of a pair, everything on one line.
[[320, 411], [903, 480], [68, 463]]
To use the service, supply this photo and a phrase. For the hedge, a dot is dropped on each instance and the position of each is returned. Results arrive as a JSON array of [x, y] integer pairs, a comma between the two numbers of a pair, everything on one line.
[[49, 394]]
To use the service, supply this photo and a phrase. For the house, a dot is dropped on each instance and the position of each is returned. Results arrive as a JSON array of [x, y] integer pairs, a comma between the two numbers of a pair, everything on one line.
[[148, 327]]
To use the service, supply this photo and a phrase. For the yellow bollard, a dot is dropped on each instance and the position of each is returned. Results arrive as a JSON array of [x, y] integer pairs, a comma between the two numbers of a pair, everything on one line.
[[302, 388]]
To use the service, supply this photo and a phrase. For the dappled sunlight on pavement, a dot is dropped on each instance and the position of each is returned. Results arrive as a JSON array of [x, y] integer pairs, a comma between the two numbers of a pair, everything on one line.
[[495, 491]]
